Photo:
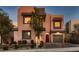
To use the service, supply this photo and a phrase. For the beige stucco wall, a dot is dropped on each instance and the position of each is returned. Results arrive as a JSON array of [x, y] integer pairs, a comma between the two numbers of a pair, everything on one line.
[[73, 22]]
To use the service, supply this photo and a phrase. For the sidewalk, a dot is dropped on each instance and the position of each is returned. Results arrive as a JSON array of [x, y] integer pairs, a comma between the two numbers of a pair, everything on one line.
[[69, 49]]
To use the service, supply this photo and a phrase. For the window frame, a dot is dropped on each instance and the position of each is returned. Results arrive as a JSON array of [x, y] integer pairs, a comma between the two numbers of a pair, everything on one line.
[[57, 20], [54, 26], [24, 19], [26, 31]]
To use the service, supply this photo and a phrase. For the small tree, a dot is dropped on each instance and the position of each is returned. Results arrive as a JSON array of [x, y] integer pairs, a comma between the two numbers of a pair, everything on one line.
[[67, 37], [5, 25], [37, 23], [75, 34]]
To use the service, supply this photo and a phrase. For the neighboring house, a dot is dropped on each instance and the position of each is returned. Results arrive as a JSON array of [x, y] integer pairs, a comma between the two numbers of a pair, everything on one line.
[[53, 24], [72, 25]]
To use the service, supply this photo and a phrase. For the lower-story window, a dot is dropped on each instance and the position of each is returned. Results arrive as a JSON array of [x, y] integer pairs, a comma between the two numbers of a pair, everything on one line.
[[26, 34]]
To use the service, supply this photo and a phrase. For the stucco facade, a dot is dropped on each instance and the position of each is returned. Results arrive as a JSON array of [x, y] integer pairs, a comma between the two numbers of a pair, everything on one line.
[[49, 33], [70, 25], [59, 31]]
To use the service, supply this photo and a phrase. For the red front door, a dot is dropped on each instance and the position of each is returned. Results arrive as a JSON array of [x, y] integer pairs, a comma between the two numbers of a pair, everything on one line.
[[47, 38]]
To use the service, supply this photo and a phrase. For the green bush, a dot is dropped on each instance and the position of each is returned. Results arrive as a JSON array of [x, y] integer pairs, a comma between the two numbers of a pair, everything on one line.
[[33, 44], [41, 44], [19, 42], [24, 42], [16, 46], [5, 47]]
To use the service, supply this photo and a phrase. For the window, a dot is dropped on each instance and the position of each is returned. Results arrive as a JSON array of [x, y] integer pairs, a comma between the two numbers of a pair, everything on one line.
[[26, 34], [27, 20], [57, 24]]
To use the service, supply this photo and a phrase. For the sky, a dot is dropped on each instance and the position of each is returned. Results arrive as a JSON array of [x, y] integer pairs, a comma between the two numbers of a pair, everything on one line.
[[69, 12]]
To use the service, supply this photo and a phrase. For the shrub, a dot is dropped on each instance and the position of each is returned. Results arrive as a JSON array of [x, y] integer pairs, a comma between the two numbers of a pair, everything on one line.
[[5, 47], [14, 42], [32, 41], [15, 46], [41, 44], [6, 42], [33, 44], [24, 42], [19, 42]]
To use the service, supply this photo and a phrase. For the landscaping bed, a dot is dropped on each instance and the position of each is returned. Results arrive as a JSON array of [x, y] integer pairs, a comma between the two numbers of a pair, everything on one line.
[[60, 45], [31, 46]]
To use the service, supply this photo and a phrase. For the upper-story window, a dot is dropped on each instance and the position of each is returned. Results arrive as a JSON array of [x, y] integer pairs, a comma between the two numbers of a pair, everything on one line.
[[26, 20], [26, 17], [57, 23]]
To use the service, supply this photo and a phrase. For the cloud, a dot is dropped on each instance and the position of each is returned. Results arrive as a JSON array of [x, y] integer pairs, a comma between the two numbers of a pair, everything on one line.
[[14, 23]]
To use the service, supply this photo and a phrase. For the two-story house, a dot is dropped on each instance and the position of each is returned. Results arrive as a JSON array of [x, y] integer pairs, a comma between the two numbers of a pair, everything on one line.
[[72, 25], [53, 24]]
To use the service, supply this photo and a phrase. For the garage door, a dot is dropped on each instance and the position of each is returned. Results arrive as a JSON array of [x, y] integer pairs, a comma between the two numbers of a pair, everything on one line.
[[57, 38]]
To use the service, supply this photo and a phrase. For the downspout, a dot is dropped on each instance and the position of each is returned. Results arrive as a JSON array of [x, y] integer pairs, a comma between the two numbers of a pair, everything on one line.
[[0, 40], [50, 29]]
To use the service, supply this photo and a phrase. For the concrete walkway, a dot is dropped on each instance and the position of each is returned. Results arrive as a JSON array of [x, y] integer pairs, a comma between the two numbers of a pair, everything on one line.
[[69, 49]]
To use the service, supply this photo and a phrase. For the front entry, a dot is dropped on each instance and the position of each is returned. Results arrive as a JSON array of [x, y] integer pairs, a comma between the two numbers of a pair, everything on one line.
[[57, 38], [47, 38]]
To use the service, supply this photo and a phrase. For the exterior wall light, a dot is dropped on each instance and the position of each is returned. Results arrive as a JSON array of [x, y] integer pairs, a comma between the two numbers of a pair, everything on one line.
[[58, 33]]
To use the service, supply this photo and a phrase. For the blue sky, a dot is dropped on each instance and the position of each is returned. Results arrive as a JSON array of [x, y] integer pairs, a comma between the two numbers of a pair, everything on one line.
[[69, 12]]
